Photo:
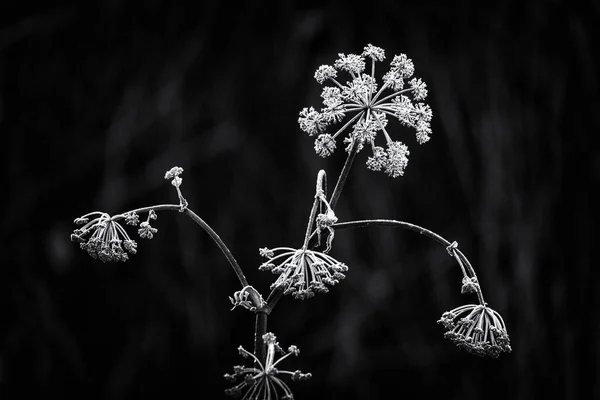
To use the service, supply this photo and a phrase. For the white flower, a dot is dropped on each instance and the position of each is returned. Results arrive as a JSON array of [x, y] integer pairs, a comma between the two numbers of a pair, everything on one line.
[[403, 65], [324, 145], [362, 106], [379, 159], [325, 72], [352, 63], [173, 174], [397, 159], [376, 53], [310, 121], [419, 88], [393, 80]]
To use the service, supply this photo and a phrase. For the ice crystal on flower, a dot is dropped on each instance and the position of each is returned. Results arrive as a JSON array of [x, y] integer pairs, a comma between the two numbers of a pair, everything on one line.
[[362, 106]]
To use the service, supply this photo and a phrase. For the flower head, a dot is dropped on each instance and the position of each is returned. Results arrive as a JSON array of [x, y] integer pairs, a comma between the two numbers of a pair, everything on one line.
[[303, 272], [481, 331], [107, 239], [262, 381], [470, 285], [324, 145], [173, 174], [371, 106]]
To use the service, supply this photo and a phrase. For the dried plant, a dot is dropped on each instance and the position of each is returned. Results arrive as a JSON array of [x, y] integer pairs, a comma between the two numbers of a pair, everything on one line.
[[309, 270]]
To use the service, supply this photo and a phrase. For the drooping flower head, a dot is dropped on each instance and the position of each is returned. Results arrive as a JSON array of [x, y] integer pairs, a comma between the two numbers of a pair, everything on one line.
[[104, 238], [261, 381], [107, 239], [302, 272], [481, 331], [371, 106]]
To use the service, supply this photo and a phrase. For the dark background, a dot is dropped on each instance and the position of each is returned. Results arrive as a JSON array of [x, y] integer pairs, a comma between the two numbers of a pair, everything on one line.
[[97, 103]]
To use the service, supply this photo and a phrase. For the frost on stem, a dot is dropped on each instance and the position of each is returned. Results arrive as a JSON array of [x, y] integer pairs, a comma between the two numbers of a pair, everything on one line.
[[481, 331], [369, 106], [302, 272], [263, 381]]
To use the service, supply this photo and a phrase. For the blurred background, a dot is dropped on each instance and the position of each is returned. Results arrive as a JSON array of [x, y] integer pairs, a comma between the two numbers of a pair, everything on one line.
[[96, 103]]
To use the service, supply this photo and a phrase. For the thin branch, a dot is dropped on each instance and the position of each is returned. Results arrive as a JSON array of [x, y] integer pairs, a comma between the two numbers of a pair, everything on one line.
[[456, 253]]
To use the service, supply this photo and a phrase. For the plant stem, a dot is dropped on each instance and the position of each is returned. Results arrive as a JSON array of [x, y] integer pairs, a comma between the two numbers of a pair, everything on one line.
[[227, 253], [458, 255], [321, 187], [256, 301], [343, 175], [260, 328]]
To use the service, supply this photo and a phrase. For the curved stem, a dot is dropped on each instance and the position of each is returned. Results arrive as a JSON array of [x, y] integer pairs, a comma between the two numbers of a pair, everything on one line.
[[222, 246], [160, 207], [225, 250], [458, 255]]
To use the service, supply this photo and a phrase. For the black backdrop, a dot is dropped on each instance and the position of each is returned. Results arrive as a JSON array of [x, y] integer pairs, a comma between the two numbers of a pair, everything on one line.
[[97, 103]]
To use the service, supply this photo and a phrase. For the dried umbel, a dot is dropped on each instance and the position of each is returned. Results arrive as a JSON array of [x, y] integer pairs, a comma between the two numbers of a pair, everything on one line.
[[262, 381], [481, 331], [372, 106], [103, 237], [302, 272]]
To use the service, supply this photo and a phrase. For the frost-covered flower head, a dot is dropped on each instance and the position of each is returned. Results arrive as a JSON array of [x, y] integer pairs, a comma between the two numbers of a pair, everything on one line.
[[262, 381], [107, 239], [482, 331], [103, 237], [176, 180], [371, 107], [302, 272]]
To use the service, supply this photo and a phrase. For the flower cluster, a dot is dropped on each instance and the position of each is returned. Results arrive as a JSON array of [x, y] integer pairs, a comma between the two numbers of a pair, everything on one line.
[[173, 174], [146, 230], [302, 272], [108, 241], [481, 332], [362, 96], [261, 381], [176, 180]]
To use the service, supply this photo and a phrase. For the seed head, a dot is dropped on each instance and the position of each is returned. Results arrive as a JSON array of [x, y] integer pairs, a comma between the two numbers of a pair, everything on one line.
[[481, 332], [367, 106]]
